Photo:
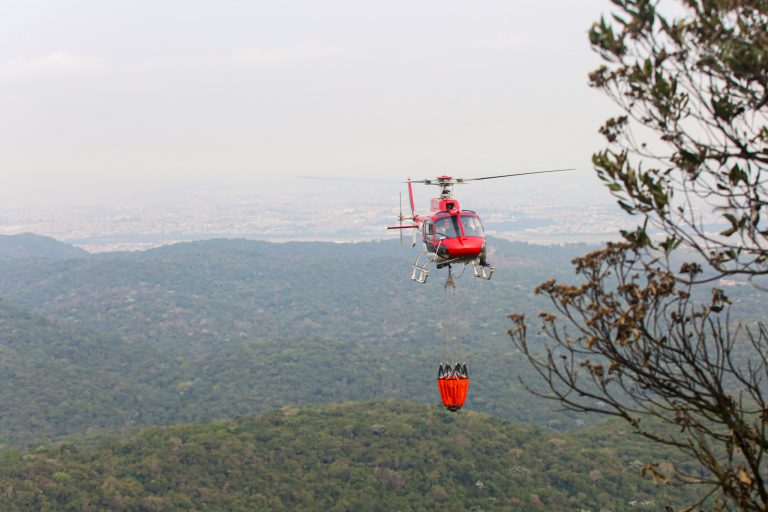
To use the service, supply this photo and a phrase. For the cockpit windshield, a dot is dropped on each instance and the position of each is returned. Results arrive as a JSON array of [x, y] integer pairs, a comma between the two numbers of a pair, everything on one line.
[[447, 227], [471, 225]]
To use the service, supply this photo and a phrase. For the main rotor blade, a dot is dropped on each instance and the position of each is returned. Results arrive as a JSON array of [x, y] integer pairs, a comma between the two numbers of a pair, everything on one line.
[[514, 174]]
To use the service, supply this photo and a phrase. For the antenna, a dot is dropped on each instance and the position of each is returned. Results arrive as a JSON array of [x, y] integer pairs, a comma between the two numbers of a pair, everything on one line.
[[401, 219]]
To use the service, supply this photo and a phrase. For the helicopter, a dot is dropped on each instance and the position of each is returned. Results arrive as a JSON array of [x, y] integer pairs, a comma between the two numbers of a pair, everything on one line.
[[450, 235]]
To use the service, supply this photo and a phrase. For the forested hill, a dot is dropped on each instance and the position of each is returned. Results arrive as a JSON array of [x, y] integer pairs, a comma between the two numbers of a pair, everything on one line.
[[56, 380], [28, 245], [227, 327], [196, 296], [374, 456], [222, 328]]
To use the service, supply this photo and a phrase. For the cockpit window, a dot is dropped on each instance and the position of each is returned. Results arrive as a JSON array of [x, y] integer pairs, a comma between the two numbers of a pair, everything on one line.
[[447, 227], [471, 225]]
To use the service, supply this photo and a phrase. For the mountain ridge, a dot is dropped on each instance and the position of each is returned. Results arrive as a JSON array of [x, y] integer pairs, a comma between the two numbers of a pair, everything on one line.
[[30, 245]]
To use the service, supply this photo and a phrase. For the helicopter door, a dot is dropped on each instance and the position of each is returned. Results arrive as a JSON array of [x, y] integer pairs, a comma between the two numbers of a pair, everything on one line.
[[429, 235]]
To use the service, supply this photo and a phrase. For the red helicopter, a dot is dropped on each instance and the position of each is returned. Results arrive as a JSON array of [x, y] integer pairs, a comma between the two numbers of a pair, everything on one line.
[[451, 235]]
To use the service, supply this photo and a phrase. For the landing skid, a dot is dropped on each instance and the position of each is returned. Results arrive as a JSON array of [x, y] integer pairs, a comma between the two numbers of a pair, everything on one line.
[[482, 271], [420, 269], [420, 272]]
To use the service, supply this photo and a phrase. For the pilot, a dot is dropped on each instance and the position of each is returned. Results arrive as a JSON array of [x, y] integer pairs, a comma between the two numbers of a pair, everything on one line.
[[471, 226], [441, 227]]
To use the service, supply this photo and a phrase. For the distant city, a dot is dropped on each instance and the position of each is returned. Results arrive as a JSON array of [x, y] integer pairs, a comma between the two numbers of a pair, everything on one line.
[[321, 211]]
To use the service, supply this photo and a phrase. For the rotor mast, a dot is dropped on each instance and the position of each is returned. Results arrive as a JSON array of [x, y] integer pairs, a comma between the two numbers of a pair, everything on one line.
[[445, 183]]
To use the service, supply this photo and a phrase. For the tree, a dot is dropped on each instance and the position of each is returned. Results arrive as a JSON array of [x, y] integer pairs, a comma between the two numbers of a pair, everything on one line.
[[634, 339]]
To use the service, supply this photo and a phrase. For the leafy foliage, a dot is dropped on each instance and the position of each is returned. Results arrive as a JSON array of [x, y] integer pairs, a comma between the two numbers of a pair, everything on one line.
[[693, 134], [642, 349]]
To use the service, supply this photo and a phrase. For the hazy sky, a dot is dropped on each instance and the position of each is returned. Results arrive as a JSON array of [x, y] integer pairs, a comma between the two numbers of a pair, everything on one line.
[[103, 99]]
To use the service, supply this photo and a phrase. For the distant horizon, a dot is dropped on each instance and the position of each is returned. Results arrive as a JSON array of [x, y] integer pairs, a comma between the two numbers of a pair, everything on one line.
[[107, 244]]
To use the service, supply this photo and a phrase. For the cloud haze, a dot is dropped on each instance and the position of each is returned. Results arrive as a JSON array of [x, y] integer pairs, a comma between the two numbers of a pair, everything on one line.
[[102, 98]]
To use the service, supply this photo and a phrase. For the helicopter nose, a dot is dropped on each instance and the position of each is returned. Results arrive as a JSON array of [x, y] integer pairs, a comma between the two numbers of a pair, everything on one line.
[[466, 247]]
